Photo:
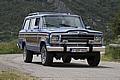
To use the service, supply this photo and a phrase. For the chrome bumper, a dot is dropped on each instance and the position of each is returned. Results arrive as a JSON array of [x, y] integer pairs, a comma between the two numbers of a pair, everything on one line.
[[101, 49], [18, 45]]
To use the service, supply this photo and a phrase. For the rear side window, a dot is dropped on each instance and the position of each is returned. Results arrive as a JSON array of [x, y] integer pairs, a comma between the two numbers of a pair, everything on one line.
[[34, 23], [26, 25], [37, 21]]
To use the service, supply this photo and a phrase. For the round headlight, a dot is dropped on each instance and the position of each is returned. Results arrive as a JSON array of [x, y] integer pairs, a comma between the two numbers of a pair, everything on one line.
[[98, 39], [55, 38]]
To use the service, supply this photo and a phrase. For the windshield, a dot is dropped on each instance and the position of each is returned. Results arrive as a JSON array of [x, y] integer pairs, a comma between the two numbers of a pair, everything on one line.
[[62, 21]]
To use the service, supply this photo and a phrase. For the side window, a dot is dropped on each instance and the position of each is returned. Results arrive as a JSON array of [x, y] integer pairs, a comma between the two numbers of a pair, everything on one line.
[[37, 21], [26, 25], [34, 24]]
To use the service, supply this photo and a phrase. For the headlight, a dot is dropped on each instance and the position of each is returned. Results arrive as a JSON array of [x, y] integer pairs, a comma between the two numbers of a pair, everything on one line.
[[55, 38], [97, 40]]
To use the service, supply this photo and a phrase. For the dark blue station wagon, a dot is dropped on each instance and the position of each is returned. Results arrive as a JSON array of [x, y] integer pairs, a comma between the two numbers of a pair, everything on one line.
[[61, 36]]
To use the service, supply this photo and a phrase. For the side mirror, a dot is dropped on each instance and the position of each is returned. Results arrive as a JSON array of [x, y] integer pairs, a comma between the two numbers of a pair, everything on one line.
[[88, 27], [36, 27]]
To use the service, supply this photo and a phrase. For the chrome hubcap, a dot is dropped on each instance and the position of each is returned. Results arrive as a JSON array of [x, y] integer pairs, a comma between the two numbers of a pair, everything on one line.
[[43, 55]]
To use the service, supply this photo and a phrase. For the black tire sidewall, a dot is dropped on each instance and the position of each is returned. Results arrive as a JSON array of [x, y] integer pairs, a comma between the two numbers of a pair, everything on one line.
[[29, 56], [94, 60], [66, 59], [49, 57]]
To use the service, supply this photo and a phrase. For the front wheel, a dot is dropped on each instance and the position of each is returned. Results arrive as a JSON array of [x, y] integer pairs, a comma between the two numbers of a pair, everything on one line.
[[66, 59], [27, 55], [94, 60], [46, 58]]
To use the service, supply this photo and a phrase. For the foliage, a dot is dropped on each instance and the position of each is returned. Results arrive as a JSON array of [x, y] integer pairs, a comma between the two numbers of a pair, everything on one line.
[[96, 13], [13, 12], [115, 25], [9, 48], [8, 36], [112, 53], [14, 75]]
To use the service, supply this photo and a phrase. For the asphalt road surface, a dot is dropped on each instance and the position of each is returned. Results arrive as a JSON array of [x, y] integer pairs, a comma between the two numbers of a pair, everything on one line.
[[76, 70]]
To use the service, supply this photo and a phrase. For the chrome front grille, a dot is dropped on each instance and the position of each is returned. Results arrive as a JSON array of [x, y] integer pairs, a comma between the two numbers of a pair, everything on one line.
[[77, 38], [72, 40]]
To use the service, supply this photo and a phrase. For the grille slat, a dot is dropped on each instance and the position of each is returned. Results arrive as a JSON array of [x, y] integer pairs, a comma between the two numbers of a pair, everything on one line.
[[77, 38]]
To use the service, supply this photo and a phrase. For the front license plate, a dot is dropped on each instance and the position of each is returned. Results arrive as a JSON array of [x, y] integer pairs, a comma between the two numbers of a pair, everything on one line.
[[79, 50]]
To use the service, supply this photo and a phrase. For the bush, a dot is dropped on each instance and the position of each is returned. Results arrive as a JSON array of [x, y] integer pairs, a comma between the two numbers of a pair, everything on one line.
[[113, 52], [9, 48]]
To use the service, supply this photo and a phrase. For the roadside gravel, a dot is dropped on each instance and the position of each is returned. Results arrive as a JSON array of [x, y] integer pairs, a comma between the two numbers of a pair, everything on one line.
[[76, 70]]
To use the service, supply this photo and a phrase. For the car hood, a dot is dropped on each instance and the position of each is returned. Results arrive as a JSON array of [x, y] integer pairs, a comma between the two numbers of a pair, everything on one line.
[[71, 30]]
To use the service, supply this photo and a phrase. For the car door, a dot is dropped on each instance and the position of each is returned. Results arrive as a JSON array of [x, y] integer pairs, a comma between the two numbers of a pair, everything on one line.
[[22, 33], [32, 36]]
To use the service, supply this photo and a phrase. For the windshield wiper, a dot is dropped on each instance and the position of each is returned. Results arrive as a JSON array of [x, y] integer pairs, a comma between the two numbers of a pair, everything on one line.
[[66, 25], [47, 24]]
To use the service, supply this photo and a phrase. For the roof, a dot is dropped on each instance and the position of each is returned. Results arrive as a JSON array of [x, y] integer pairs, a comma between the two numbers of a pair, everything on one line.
[[40, 13], [46, 13]]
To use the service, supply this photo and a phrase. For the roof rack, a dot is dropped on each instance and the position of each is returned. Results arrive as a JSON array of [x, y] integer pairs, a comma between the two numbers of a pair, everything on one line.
[[38, 13]]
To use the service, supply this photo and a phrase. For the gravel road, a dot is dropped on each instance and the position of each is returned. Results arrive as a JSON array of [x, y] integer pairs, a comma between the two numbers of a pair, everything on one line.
[[76, 70]]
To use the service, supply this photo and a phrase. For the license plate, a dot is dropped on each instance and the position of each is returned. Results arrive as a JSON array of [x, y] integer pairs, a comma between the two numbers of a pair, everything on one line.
[[79, 50]]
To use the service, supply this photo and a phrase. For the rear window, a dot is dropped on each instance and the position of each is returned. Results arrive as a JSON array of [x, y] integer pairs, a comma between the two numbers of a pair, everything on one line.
[[27, 23]]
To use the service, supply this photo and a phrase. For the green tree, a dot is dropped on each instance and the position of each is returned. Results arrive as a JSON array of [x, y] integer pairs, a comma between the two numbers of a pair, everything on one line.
[[116, 25]]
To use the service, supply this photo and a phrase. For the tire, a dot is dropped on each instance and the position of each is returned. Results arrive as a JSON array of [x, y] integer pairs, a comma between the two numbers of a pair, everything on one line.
[[46, 58], [93, 61], [66, 59], [27, 55]]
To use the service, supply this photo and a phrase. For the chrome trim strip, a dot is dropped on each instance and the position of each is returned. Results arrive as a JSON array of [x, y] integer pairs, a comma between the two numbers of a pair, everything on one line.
[[70, 43], [33, 33], [54, 48], [67, 33], [101, 49]]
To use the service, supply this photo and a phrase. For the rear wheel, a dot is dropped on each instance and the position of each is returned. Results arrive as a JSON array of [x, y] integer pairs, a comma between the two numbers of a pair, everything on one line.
[[66, 59], [27, 55], [46, 58], [94, 60]]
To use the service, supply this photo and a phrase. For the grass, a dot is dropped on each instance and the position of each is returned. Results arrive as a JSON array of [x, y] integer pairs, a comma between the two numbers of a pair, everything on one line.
[[14, 75], [107, 57], [113, 51], [112, 54], [9, 47]]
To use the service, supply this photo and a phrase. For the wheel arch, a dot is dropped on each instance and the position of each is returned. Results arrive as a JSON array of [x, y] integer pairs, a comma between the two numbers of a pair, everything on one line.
[[42, 43], [23, 44]]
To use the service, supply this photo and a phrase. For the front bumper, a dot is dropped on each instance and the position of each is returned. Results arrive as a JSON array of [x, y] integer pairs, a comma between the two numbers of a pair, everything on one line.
[[68, 49]]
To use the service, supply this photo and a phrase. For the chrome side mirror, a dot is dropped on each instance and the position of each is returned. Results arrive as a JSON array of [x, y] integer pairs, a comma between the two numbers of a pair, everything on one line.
[[88, 27], [36, 27]]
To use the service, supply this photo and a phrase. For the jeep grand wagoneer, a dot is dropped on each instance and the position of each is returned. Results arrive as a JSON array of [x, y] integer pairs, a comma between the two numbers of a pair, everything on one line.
[[59, 35]]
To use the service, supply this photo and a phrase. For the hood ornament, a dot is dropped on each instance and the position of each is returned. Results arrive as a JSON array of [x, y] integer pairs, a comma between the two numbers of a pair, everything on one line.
[[82, 32]]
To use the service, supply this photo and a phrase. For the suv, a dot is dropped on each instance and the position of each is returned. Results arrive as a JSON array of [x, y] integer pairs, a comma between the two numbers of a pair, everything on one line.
[[59, 35]]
